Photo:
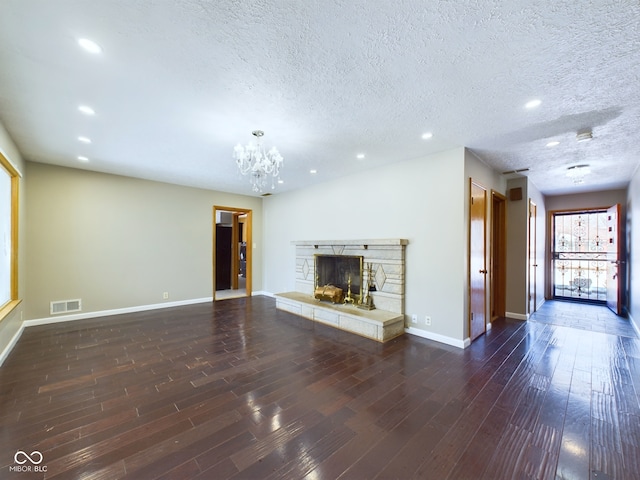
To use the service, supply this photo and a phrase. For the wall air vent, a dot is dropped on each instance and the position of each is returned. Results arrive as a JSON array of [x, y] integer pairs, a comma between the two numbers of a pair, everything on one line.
[[224, 218], [65, 306]]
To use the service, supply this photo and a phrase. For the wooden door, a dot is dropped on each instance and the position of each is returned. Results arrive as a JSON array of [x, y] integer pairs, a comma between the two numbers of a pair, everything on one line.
[[498, 261], [533, 266], [614, 273], [477, 260], [224, 257]]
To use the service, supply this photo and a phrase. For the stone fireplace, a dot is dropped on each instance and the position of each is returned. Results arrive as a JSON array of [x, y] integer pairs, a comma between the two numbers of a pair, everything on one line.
[[379, 263]]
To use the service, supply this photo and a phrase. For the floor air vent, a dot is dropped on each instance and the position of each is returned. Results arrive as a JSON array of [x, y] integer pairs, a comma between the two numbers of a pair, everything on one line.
[[66, 306]]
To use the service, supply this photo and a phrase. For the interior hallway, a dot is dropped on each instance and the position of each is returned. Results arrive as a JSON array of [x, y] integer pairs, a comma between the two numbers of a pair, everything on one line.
[[236, 389]]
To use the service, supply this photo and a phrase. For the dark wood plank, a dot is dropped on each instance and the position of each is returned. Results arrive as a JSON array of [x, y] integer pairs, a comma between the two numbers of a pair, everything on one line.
[[237, 389]]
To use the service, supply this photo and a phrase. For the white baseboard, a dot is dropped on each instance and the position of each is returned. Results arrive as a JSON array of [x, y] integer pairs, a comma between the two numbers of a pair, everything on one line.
[[634, 324], [438, 338], [262, 292], [517, 316], [116, 311], [12, 343]]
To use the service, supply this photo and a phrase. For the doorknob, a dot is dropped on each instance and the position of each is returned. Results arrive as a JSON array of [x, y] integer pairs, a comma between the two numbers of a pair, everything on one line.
[[483, 271]]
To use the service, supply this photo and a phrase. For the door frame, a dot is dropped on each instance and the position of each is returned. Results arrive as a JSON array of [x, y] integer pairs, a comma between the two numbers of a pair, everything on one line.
[[237, 211], [477, 277], [235, 250], [615, 266], [550, 264], [498, 257], [532, 251]]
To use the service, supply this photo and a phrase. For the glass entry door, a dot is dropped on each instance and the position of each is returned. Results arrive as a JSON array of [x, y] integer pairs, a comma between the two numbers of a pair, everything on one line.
[[580, 255]]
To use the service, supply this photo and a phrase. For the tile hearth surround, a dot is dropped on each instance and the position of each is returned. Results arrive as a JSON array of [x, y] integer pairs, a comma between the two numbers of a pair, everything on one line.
[[387, 257]]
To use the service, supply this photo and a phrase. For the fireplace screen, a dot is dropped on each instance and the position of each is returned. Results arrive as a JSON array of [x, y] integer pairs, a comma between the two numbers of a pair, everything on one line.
[[337, 270]]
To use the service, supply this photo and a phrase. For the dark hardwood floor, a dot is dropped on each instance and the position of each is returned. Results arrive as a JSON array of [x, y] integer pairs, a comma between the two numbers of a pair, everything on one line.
[[240, 390]]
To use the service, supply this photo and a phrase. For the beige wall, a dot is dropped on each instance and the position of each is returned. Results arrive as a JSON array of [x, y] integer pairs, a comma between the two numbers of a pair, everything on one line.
[[517, 227], [519, 276], [117, 242], [422, 200], [603, 199], [11, 324]]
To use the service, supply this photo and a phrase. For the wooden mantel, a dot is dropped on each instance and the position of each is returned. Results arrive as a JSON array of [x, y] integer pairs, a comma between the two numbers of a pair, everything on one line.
[[373, 242]]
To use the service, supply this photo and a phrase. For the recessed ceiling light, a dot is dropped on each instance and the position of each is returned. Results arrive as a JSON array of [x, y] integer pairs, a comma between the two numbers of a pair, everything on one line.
[[89, 45], [313, 171], [83, 158], [360, 156], [533, 103], [86, 110], [427, 135], [553, 144], [84, 139]]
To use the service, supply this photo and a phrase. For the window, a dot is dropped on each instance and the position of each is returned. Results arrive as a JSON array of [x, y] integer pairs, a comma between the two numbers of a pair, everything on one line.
[[8, 237]]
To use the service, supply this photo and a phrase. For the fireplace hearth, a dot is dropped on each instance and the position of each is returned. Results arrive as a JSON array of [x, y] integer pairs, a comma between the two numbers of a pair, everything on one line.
[[382, 279]]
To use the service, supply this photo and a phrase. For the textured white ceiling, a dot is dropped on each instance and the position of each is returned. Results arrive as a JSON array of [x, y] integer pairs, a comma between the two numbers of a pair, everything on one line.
[[180, 82]]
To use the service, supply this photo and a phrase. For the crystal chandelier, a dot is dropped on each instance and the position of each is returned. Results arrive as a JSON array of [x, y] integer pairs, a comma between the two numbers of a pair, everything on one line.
[[255, 161]]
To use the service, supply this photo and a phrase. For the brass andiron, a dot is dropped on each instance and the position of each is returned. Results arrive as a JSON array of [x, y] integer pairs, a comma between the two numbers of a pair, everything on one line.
[[349, 298], [366, 300]]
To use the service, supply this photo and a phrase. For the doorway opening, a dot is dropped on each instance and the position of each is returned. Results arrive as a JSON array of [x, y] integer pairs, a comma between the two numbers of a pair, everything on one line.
[[232, 240], [580, 254], [498, 256]]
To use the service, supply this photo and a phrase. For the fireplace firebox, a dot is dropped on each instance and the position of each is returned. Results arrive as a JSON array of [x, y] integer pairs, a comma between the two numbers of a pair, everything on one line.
[[342, 271]]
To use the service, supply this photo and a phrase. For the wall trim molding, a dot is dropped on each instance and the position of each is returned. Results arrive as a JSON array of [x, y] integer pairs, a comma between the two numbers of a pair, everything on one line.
[[517, 316], [262, 292], [12, 343], [454, 342], [634, 324], [116, 311]]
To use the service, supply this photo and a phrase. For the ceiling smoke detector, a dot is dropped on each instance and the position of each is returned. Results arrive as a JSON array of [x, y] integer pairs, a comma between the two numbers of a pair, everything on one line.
[[584, 136]]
